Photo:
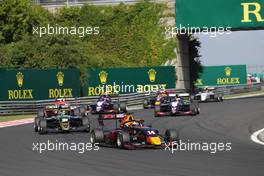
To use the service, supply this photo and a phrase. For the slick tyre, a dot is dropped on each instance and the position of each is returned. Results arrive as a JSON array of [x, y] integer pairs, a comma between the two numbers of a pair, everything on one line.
[[79, 111], [122, 139], [36, 122], [42, 126], [171, 135], [123, 107], [145, 104], [97, 136], [197, 110], [156, 111], [116, 107], [40, 114], [82, 110], [86, 124], [221, 99]]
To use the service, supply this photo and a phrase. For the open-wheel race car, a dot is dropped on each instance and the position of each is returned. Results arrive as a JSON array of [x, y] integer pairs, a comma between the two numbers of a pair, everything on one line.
[[154, 98], [105, 105], [130, 133], [209, 94], [177, 104], [61, 117]]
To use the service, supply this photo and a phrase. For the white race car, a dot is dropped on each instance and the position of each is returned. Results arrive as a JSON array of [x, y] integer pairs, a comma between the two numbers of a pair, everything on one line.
[[209, 94]]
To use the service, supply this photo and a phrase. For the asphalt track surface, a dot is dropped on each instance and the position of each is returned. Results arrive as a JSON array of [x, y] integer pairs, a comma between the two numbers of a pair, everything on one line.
[[231, 121]]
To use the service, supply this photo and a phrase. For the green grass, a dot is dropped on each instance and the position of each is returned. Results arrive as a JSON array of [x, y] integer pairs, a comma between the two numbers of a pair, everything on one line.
[[248, 93], [15, 117]]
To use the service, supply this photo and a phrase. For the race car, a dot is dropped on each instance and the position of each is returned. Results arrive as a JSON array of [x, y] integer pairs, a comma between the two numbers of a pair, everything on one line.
[[132, 134], [62, 118], [209, 94], [154, 98], [105, 105], [52, 110], [177, 104]]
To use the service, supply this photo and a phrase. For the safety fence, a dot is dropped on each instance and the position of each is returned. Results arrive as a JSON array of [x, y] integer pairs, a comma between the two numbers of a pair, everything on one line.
[[29, 107], [94, 2], [134, 99], [238, 89]]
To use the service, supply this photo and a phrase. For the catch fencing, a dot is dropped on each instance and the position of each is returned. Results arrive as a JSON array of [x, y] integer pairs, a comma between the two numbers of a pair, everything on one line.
[[238, 89], [134, 99], [93, 2], [30, 107]]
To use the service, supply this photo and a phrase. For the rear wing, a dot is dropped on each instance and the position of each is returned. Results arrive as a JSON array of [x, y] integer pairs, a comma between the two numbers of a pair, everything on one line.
[[184, 95], [115, 117], [111, 116]]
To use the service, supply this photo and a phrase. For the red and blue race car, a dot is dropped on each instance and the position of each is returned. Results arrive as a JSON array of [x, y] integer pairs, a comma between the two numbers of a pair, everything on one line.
[[131, 134]]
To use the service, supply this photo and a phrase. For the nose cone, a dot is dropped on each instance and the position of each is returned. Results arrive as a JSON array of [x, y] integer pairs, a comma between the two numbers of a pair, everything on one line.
[[154, 140]]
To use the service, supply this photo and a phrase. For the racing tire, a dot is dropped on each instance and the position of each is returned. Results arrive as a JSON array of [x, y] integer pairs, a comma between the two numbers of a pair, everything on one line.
[[197, 110], [221, 99], [122, 139], [145, 104], [82, 110], [123, 107], [194, 110], [40, 114], [36, 122], [79, 111], [157, 109], [76, 112], [116, 107], [42, 128], [86, 124], [171, 135], [97, 136]]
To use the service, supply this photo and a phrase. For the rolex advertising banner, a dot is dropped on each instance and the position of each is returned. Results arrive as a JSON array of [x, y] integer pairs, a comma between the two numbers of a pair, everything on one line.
[[233, 14], [223, 76], [129, 80], [36, 84]]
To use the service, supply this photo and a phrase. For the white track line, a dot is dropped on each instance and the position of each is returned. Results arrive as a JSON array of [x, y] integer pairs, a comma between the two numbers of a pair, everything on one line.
[[16, 122], [254, 136]]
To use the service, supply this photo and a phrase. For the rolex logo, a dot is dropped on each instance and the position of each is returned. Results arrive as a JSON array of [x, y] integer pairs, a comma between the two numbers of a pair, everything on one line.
[[103, 76], [228, 71], [199, 82], [20, 79], [60, 78], [152, 75]]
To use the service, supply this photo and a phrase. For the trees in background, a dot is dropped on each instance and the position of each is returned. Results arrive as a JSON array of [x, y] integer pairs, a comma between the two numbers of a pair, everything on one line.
[[194, 59], [130, 35]]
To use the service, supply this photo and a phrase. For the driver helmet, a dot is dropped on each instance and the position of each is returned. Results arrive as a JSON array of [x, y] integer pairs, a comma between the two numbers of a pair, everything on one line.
[[128, 120]]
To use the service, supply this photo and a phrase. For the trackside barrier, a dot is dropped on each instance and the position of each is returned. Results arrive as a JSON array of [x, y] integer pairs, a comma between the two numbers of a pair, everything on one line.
[[134, 99], [29, 107], [59, 3], [229, 90]]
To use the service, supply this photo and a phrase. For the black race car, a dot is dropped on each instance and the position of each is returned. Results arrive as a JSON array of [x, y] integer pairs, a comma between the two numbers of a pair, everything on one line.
[[105, 105], [132, 134], [61, 118], [177, 104]]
